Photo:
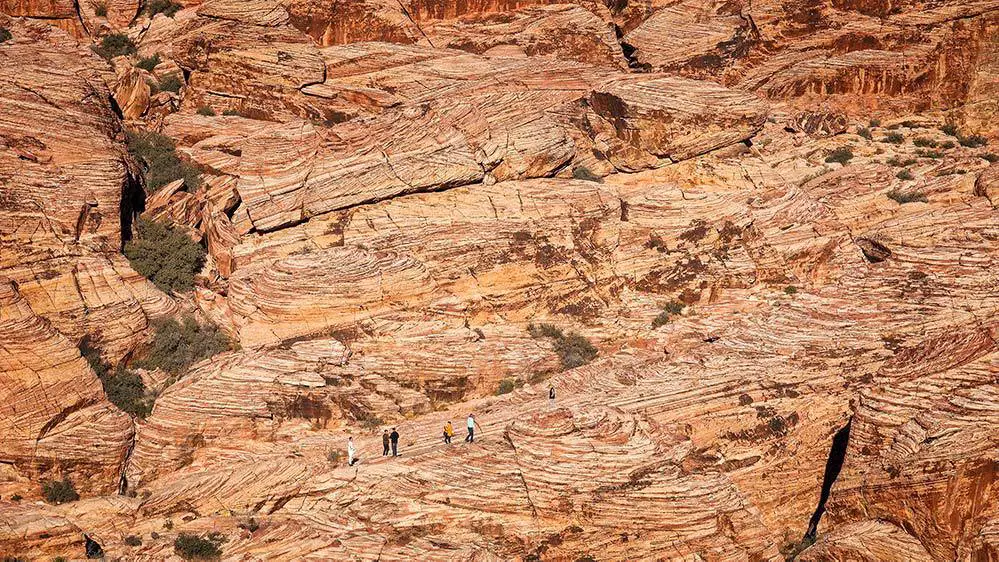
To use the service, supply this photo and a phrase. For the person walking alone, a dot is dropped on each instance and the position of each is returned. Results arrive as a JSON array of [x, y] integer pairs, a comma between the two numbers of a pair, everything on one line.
[[471, 424], [385, 442], [551, 397], [448, 432], [350, 451], [394, 438]]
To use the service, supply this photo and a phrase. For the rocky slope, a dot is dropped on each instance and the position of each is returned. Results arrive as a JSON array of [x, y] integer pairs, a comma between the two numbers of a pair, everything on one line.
[[776, 222]]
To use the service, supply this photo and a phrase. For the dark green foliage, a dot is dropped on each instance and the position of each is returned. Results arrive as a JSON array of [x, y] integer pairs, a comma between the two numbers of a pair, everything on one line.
[[894, 161], [904, 175], [178, 345], [233, 112], [842, 155], [132, 540], [924, 142], [573, 349], [123, 387], [16, 498], [903, 198], [791, 290], [166, 7], [947, 145], [972, 141], [59, 491], [927, 153], [5, 35], [158, 154], [149, 63], [949, 129], [206, 111], [674, 307], [895, 138], [153, 87], [168, 258], [115, 45], [990, 157], [910, 124], [875, 123], [506, 386], [584, 173], [193, 547], [101, 9], [865, 132], [171, 83]]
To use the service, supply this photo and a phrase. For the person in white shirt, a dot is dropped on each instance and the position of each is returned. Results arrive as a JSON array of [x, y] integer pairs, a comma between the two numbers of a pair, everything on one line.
[[471, 424], [350, 451]]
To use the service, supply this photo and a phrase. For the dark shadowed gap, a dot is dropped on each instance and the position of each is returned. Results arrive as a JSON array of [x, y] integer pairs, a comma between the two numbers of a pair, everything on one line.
[[834, 464]]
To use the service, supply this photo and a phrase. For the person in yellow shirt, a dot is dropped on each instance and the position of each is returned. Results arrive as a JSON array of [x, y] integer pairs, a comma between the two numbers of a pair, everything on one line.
[[448, 432]]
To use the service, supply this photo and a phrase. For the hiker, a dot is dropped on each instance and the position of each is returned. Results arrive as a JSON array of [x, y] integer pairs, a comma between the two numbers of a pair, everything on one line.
[[448, 432], [551, 396], [350, 451], [471, 424], [394, 438], [385, 442]]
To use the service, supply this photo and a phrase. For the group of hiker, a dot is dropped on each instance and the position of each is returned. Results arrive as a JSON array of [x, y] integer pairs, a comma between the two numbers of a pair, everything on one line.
[[391, 440]]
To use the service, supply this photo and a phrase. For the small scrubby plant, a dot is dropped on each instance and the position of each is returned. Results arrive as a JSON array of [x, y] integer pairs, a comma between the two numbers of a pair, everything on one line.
[[167, 257], [178, 345], [903, 198], [875, 123], [674, 307], [115, 45], [194, 547], [841, 155], [165, 7], [171, 83], [101, 9], [59, 491], [949, 129], [990, 157], [506, 386], [584, 173], [972, 141], [927, 153], [865, 132], [133, 540], [149, 63], [895, 138], [158, 155], [206, 111], [947, 145], [123, 387], [791, 290], [904, 175], [573, 349], [5, 35], [924, 142], [893, 161], [232, 112]]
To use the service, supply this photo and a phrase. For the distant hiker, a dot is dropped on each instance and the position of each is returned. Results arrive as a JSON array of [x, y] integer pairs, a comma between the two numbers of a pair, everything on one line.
[[350, 451], [471, 424], [551, 396], [394, 438], [448, 432], [385, 443]]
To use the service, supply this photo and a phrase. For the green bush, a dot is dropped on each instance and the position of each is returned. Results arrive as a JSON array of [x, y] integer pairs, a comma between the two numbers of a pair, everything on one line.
[[132, 540], [673, 307], [895, 138], [149, 63], [5, 35], [115, 45], [842, 155], [910, 124], [927, 153], [949, 129], [903, 198], [791, 290], [947, 145], [168, 258], [16, 498], [865, 132], [101, 9], [894, 161], [584, 173], [171, 83], [904, 175], [123, 387], [990, 157], [193, 547], [506, 386], [924, 142], [972, 141], [573, 349], [178, 345], [233, 112], [59, 491], [875, 123], [158, 155], [165, 7], [206, 111]]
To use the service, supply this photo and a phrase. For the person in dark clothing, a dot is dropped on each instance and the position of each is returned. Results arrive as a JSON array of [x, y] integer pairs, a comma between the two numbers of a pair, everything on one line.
[[385, 443], [394, 438]]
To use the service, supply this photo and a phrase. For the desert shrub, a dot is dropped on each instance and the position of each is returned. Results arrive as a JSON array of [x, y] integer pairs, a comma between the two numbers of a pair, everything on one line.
[[193, 547], [171, 83], [949, 129], [792, 549], [972, 141], [506, 386], [895, 138], [924, 142], [101, 9], [371, 422], [584, 173], [673, 307], [902, 198], [178, 345], [791, 290], [158, 155], [842, 155], [904, 175], [123, 387], [232, 112], [573, 349], [947, 145], [165, 7], [910, 124], [206, 111], [167, 257], [16, 498], [333, 456], [990, 157], [115, 45], [875, 123], [894, 161], [153, 87], [149, 63], [5, 35], [59, 491], [927, 153], [865, 132], [132, 540]]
